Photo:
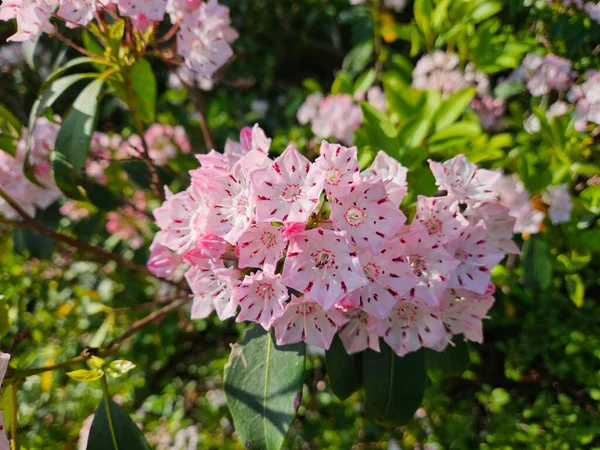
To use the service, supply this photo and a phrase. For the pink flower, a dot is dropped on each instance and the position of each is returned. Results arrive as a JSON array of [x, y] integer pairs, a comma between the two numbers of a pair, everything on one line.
[[182, 217], [410, 327], [376, 98], [338, 167], [203, 41], [392, 173], [587, 100], [261, 297], [337, 116], [477, 258], [498, 223], [213, 285], [462, 313], [232, 204], [262, 246], [305, 320], [153, 10], [4, 360], [367, 216], [440, 217], [288, 189], [13, 180], [162, 261], [559, 201], [164, 143], [429, 261], [33, 18], [465, 180], [308, 110], [356, 334], [129, 223], [322, 264], [77, 12], [389, 279], [514, 196]]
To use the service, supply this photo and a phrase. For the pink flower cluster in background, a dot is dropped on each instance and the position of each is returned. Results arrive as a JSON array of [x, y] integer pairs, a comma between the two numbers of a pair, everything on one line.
[[203, 37], [586, 97], [164, 142], [338, 115], [15, 183], [543, 74], [315, 249]]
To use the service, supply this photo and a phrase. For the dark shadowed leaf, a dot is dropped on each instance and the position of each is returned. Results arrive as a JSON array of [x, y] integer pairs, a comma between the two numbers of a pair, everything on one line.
[[343, 369], [263, 385], [536, 263], [394, 386], [453, 361], [144, 88], [128, 435]]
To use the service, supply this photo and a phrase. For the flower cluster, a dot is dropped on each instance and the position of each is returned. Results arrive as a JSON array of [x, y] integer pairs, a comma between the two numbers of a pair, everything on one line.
[[164, 142], [15, 183], [203, 37], [586, 97], [440, 71], [338, 115], [514, 196], [543, 74], [315, 249]]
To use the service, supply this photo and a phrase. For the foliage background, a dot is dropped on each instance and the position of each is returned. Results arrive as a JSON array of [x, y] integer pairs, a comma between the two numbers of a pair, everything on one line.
[[534, 383]]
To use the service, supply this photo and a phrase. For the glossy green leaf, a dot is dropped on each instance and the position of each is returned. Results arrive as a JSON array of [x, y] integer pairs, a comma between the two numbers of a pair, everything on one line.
[[119, 367], [453, 107], [144, 89], [86, 376], [575, 288], [74, 136], [263, 386], [423, 11], [343, 369], [485, 10], [128, 435], [5, 321], [342, 84], [365, 81], [394, 386], [536, 263]]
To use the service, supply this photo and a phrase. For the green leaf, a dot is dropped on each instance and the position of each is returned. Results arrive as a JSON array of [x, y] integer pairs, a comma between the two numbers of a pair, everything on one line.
[[357, 58], [450, 362], [38, 246], [453, 107], [86, 376], [423, 11], [343, 369], [5, 322], [485, 11], [8, 145], [119, 367], [455, 131], [144, 88], [394, 386], [365, 81], [342, 84], [128, 435], [28, 48], [575, 288], [379, 132], [74, 136], [103, 331], [506, 90], [10, 122], [263, 386], [536, 263]]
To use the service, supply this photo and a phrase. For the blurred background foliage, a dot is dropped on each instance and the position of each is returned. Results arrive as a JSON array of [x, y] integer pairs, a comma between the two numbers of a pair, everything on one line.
[[534, 383]]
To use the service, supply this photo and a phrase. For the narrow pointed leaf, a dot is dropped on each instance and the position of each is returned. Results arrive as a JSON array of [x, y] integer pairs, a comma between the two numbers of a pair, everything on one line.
[[129, 436], [263, 386], [453, 107], [394, 386]]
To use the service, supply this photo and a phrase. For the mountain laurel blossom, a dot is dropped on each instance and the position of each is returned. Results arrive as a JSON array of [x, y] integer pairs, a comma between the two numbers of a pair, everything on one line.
[[311, 249]]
